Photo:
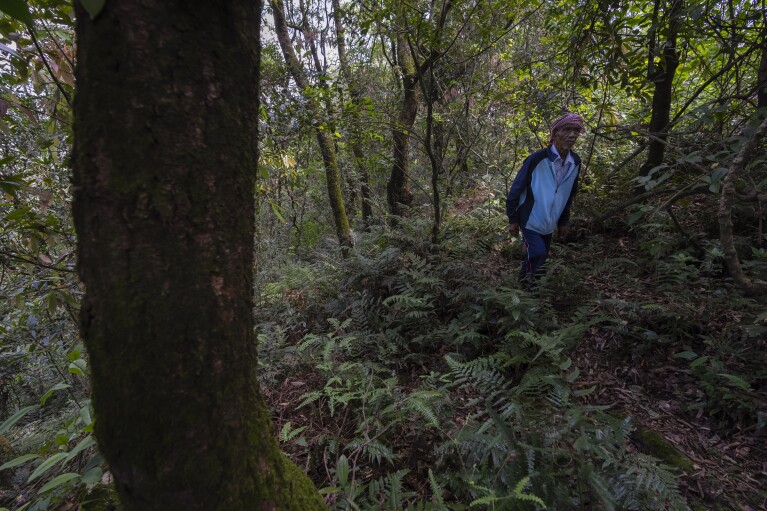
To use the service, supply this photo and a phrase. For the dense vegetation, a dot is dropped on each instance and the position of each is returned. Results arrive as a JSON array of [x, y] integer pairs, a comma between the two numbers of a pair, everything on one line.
[[404, 367]]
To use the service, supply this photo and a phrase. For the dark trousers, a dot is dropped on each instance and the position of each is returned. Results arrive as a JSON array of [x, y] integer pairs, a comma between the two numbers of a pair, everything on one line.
[[536, 251]]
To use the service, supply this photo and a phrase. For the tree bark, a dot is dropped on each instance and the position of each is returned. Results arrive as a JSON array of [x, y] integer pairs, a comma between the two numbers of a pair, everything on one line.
[[398, 194], [332, 173], [726, 231], [663, 78], [356, 96], [761, 92], [164, 165], [434, 147]]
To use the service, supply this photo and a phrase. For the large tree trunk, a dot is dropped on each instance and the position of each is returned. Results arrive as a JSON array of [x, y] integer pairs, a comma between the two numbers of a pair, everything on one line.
[[165, 158], [663, 77], [332, 173]]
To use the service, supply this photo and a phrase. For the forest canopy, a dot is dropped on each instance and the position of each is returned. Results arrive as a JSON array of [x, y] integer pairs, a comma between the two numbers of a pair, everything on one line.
[[369, 154]]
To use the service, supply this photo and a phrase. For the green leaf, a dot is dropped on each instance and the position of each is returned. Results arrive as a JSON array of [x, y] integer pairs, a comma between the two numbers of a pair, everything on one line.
[[739, 382], [342, 470], [85, 415], [58, 481], [15, 462], [585, 392], [79, 366], [17, 214], [687, 355], [573, 375], [13, 419], [46, 465], [92, 476], [699, 361], [86, 442], [51, 303], [49, 393], [634, 217], [276, 210], [93, 7], [17, 9]]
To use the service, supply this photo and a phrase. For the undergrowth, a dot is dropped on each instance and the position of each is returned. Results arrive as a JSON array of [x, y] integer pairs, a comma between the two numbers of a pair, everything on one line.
[[419, 376], [428, 380]]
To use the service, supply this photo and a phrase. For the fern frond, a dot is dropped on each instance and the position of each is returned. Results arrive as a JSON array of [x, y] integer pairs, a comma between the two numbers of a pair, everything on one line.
[[519, 492], [418, 402], [436, 489]]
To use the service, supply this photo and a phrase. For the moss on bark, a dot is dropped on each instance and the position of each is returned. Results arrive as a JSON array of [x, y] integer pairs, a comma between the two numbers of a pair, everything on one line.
[[327, 147], [654, 444], [165, 158]]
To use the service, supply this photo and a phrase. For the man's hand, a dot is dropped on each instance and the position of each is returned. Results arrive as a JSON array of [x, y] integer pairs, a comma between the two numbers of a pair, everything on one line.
[[513, 229], [563, 232]]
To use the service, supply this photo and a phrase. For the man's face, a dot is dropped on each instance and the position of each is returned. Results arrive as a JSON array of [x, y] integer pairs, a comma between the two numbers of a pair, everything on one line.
[[565, 137]]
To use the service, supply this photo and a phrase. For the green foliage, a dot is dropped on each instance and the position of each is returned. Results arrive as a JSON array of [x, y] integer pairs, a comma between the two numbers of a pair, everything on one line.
[[497, 424], [16, 9], [426, 378], [729, 397]]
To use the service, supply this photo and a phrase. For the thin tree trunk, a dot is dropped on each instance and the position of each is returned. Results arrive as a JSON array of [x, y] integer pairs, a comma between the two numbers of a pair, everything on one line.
[[726, 232], [164, 210], [435, 152], [356, 96], [761, 93], [663, 77], [333, 175]]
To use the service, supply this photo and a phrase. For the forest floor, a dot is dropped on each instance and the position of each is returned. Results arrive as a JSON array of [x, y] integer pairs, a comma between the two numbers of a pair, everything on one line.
[[725, 443], [654, 386], [673, 369]]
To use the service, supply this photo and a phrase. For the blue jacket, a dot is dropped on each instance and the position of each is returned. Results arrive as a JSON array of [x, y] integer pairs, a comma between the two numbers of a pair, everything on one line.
[[535, 201]]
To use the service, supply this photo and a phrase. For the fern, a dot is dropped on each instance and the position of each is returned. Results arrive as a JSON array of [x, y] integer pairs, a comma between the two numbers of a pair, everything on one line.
[[609, 265], [497, 420], [519, 492], [404, 301], [646, 484], [436, 489], [421, 401]]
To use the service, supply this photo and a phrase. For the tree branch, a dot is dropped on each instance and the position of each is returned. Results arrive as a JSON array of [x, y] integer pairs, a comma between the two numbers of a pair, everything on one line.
[[48, 67]]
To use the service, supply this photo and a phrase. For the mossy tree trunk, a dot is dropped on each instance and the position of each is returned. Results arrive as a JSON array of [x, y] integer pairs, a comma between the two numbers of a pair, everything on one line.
[[354, 114], [398, 193], [165, 158], [325, 141]]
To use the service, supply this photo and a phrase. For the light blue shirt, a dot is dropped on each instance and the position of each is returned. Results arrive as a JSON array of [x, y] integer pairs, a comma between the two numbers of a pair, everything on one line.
[[561, 167]]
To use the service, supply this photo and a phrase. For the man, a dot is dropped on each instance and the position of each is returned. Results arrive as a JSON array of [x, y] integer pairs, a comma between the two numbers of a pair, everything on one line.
[[540, 197]]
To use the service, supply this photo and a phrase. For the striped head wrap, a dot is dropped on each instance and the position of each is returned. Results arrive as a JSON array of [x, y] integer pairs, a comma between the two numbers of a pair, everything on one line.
[[567, 120]]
